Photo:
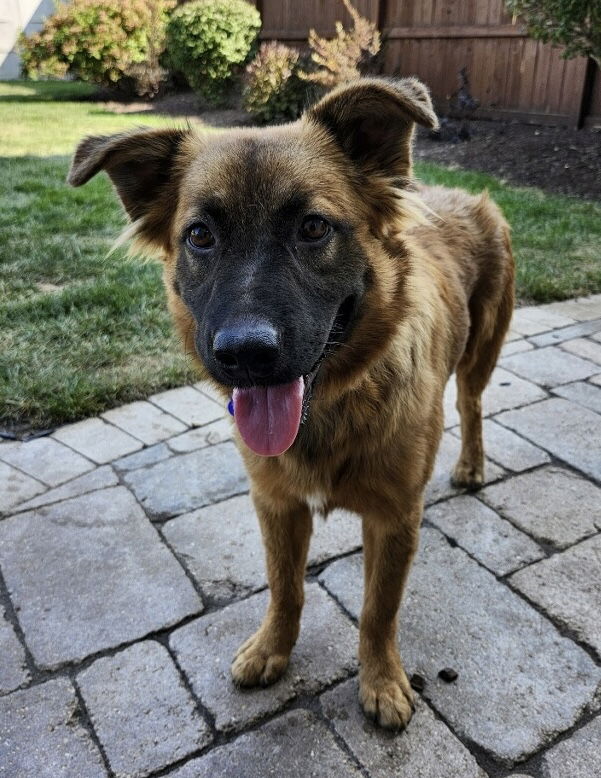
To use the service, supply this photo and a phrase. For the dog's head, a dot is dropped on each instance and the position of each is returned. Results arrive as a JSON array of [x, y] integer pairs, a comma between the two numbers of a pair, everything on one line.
[[277, 242]]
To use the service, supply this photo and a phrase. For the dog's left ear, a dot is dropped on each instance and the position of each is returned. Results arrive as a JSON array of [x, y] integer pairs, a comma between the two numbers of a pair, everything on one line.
[[372, 119], [143, 166]]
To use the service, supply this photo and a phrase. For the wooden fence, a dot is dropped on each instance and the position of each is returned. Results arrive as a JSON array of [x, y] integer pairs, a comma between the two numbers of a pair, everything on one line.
[[510, 74]]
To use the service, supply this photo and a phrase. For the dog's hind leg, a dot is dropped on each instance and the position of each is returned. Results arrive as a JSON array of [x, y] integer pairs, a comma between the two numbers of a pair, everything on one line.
[[262, 659], [489, 325]]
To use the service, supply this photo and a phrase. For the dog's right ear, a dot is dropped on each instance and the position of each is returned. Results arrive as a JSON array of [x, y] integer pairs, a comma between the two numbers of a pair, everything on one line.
[[143, 165]]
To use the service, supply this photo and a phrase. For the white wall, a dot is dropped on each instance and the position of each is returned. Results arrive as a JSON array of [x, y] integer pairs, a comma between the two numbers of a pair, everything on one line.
[[15, 16]]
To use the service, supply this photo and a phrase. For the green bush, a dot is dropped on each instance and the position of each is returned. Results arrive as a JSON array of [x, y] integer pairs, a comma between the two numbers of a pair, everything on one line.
[[104, 42], [273, 91], [208, 39]]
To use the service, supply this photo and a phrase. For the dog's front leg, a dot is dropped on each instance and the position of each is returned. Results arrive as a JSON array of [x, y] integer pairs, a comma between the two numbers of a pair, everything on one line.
[[389, 544], [286, 533]]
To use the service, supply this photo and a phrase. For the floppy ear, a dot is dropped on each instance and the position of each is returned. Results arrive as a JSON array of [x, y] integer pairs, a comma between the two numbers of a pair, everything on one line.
[[143, 166], [372, 119]]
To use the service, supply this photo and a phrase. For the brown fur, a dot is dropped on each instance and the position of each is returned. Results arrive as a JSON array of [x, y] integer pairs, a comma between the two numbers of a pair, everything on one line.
[[440, 299]]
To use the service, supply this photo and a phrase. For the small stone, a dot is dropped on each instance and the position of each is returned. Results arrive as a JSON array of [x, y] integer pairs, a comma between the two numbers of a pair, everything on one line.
[[448, 675], [97, 440], [144, 716], [188, 405], [189, 481], [418, 682], [42, 735], [145, 422]]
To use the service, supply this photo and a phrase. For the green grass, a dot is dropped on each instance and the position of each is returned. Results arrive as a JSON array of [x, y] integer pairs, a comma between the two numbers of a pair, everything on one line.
[[81, 331]]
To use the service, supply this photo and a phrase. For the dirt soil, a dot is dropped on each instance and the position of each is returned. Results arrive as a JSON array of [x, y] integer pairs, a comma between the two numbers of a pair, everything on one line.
[[555, 159]]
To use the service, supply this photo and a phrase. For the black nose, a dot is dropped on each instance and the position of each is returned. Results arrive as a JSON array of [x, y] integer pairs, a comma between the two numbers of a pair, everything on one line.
[[247, 347]]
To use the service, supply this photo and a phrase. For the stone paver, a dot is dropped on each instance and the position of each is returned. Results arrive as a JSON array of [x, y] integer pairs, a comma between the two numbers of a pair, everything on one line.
[[16, 487], [296, 745], [325, 652], [581, 308], [148, 456], [568, 587], [13, 666], [516, 347], [552, 504], [577, 757], [188, 405], [216, 432], [532, 320], [581, 393], [145, 422], [569, 431], [144, 716], [46, 459], [504, 391], [494, 542], [585, 348], [440, 485], [88, 574], [427, 748], [41, 735], [189, 481], [97, 440], [505, 586], [222, 548], [100, 478], [554, 337], [508, 449], [520, 683], [550, 367]]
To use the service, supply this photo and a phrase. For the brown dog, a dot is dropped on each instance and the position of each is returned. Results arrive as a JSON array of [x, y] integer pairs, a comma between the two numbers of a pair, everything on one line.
[[333, 301]]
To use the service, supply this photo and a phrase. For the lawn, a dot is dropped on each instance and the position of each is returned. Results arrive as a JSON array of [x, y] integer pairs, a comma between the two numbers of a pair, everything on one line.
[[81, 331]]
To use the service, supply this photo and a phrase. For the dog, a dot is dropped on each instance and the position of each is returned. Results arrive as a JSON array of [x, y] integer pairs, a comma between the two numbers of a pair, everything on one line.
[[330, 297]]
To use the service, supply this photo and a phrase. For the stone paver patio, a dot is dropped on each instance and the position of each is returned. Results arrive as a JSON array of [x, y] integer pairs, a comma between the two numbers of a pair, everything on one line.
[[131, 567]]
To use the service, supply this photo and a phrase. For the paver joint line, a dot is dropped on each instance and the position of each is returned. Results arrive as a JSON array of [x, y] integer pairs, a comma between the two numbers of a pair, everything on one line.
[[102, 612]]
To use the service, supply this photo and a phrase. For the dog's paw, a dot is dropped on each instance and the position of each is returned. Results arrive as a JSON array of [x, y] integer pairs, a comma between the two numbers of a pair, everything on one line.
[[467, 476], [257, 664], [387, 699]]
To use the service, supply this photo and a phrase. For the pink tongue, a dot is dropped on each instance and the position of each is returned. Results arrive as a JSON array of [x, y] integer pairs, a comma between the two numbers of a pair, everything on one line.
[[268, 417]]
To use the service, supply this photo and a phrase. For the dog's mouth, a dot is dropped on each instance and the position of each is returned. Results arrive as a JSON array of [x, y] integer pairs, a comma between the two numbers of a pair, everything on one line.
[[269, 417]]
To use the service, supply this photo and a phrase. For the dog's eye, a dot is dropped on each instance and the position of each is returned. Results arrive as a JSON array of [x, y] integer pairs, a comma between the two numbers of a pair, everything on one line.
[[314, 228], [200, 236]]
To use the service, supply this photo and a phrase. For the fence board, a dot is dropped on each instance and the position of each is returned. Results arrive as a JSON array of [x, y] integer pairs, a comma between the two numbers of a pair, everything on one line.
[[510, 74]]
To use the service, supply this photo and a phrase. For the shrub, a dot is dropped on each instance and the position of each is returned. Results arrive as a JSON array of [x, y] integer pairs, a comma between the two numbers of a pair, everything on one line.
[[104, 42], [346, 56], [208, 39], [273, 90]]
